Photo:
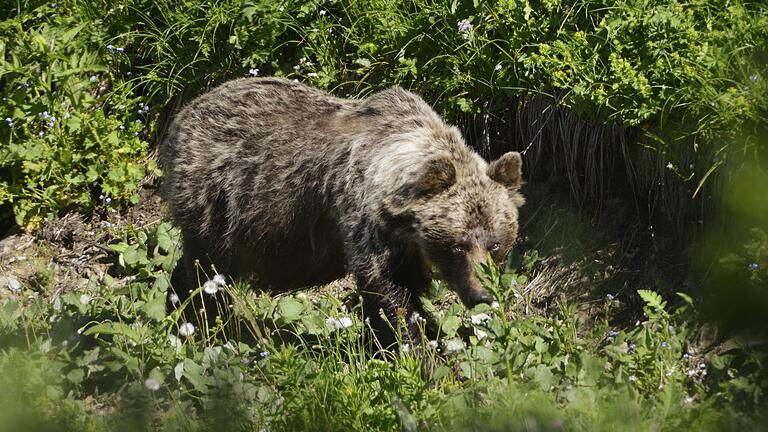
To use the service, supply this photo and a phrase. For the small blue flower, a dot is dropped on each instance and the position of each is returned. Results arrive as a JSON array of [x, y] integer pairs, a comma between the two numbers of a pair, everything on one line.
[[51, 124], [41, 133], [9, 121], [120, 49], [465, 26], [45, 114], [686, 356], [122, 127], [129, 74], [609, 297], [632, 346], [264, 354], [141, 104], [664, 344], [754, 266], [613, 333], [110, 47], [138, 121]]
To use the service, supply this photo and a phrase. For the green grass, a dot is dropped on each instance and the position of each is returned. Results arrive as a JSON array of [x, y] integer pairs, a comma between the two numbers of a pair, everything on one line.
[[107, 357]]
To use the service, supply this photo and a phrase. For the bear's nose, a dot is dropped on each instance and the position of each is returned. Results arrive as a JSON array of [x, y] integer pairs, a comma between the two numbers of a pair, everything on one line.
[[478, 297]]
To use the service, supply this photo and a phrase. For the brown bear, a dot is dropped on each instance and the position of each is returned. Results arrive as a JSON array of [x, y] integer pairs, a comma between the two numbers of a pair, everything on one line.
[[286, 186]]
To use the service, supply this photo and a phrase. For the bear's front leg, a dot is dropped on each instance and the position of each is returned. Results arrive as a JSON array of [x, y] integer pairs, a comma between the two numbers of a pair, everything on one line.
[[391, 305]]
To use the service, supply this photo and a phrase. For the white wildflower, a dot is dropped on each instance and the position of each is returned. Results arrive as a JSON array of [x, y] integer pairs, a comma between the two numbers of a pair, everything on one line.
[[219, 279], [338, 324], [174, 299], [332, 322], [406, 348], [254, 72], [312, 75], [152, 384], [187, 329], [323, 12], [495, 305], [480, 334], [85, 299], [414, 318], [210, 287], [498, 67], [432, 344]]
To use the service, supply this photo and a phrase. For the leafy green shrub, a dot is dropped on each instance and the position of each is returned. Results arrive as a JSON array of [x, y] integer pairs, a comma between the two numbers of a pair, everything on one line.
[[72, 129]]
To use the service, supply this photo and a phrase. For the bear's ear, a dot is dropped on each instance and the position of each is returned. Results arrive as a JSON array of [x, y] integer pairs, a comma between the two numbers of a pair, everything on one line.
[[507, 170], [437, 175]]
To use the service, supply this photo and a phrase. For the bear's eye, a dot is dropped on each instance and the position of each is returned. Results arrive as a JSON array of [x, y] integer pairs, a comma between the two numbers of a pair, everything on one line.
[[494, 247], [459, 249]]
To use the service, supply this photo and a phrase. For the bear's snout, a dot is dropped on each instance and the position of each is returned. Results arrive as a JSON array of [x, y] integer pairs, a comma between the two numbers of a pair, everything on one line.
[[477, 297]]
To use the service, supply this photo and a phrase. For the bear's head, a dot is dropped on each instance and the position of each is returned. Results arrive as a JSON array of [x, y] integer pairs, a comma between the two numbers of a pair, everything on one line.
[[460, 210]]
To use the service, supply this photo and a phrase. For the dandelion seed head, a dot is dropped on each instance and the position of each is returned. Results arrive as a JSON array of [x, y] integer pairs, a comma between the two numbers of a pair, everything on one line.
[[344, 322], [210, 287], [187, 329], [152, 384]]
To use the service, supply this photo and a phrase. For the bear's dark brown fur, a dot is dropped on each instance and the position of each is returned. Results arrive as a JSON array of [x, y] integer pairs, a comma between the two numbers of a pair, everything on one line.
[[286, 186]]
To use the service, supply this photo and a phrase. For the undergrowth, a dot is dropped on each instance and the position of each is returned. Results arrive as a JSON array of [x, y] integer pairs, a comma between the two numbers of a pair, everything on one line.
[[79, 76], [108, 357]]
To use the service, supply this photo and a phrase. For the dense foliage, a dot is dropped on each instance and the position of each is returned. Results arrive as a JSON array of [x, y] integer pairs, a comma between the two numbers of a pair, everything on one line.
[[79, 77], [108, 357]]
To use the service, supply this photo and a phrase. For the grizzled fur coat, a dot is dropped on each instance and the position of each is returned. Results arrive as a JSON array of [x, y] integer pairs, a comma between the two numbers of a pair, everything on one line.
[[286, 186]]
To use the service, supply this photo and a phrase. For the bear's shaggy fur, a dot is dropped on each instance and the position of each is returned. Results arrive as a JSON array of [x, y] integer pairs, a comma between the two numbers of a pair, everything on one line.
[[286, 186]]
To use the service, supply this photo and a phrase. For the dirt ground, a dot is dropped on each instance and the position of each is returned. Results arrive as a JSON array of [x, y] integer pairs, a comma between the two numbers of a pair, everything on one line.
[[65, 253]]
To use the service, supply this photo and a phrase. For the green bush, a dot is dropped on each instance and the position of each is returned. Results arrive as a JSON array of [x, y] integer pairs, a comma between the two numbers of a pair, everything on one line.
[[73, 129]]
